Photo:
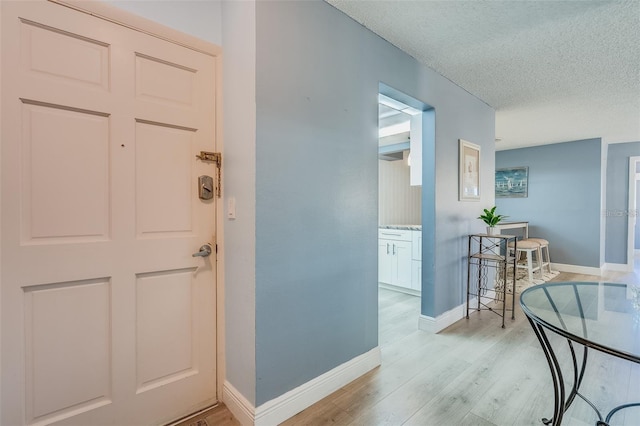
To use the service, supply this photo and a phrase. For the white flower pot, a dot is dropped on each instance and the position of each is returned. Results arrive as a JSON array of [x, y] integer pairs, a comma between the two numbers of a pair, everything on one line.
[[491, 230]]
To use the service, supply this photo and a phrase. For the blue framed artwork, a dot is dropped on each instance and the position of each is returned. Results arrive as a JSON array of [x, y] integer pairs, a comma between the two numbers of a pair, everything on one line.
[[512, 182]]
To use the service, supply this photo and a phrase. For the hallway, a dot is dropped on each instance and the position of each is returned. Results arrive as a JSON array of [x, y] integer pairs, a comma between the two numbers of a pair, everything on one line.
[[472, 373]]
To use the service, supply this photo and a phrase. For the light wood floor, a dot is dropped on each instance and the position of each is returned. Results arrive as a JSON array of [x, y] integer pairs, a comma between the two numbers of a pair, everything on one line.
[[218, 416], [472, 373]]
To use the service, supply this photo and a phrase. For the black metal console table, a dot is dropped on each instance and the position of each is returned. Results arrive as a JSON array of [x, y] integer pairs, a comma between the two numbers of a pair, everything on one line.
[[600, 316], [488, 252]]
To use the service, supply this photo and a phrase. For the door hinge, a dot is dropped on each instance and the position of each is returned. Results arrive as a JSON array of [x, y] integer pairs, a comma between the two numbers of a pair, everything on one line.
[[215, 157]]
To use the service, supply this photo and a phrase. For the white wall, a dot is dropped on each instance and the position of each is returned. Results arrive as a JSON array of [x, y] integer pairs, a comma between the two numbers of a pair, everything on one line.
[[239, 34], [202, 18], [399, 203], [230, 24]]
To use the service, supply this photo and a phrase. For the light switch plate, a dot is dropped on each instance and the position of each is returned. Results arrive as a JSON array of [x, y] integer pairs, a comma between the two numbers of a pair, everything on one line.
[[231, 208]]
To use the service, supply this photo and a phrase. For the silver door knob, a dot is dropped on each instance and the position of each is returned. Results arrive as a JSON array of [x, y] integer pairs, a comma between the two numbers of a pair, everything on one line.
[[205, 251]]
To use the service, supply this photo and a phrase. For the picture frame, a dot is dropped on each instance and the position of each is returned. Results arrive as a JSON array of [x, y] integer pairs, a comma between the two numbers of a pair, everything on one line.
[[468, 171], [512, 182]]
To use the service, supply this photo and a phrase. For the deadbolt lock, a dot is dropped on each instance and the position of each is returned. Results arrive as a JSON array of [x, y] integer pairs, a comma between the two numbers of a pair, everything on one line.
[[216, 158], [205, 187]]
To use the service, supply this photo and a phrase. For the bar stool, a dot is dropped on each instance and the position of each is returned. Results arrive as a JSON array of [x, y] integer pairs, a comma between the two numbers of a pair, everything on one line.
[[528, 248], [544, 248]]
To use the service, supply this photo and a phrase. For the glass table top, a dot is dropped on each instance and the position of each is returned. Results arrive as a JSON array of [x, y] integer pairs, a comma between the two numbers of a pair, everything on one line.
[[605, 316]]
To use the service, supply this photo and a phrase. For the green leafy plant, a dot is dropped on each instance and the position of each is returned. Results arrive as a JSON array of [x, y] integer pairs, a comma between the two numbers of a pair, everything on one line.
[[491, 218]]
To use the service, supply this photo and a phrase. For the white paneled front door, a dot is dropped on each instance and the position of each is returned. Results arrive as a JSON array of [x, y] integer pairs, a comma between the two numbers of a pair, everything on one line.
[[106, 318]]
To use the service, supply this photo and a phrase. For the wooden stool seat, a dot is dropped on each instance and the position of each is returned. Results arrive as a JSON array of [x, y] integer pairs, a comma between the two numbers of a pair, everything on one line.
[[528, 248], [540, 241], [526, 244]]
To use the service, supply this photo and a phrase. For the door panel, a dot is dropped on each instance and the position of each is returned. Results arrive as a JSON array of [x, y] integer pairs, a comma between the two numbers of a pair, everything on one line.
[[164, 183], [57, 54], [106, 317], [170, 293], [151, 72], [51, 313], [51, 189]]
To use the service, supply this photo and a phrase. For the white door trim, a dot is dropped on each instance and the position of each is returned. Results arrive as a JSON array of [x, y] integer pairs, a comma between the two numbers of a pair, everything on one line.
[[138, 23], [127, 19]]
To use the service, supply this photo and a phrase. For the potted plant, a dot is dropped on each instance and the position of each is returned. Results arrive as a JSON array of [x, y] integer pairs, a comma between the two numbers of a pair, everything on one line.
[[491, 219]]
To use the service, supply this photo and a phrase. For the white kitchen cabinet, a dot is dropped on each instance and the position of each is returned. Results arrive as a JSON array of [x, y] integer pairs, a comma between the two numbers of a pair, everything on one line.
[[394, 262], [416, 275], [416, 245], [395, 234], [385, 260], [395, 257], [401, 266], [416, 262]]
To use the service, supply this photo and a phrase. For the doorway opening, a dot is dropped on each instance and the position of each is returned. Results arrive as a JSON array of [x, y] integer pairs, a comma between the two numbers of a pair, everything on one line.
[[404, 125], [399, 197]]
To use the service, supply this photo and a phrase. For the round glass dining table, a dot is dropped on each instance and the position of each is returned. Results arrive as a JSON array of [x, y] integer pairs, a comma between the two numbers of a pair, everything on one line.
[[597, 316]]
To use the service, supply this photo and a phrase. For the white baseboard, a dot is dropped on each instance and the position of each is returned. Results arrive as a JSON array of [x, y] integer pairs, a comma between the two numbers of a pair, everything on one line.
[[435, 325], [240, 407], [576, 269], [291, 403], [618, 267], [399, 289]]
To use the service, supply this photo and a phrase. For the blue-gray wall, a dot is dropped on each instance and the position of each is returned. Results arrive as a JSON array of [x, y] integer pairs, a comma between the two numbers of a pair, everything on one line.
[[336, 288], [564, 200], [636, 237], [317, 80], [300, 259], [618, 200]]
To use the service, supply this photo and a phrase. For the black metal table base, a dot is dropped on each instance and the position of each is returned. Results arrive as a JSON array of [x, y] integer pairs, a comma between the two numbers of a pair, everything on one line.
[[562, 404], [600, 422]]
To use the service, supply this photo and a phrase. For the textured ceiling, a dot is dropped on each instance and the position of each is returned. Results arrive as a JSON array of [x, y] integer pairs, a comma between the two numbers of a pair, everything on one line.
[[554, 71]]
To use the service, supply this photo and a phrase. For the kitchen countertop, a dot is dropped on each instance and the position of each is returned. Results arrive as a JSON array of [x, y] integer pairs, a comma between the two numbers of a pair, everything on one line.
[[403, 227]]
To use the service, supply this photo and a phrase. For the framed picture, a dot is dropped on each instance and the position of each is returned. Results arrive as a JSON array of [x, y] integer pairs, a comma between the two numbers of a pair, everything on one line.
[[469, 171], [512, 182]]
